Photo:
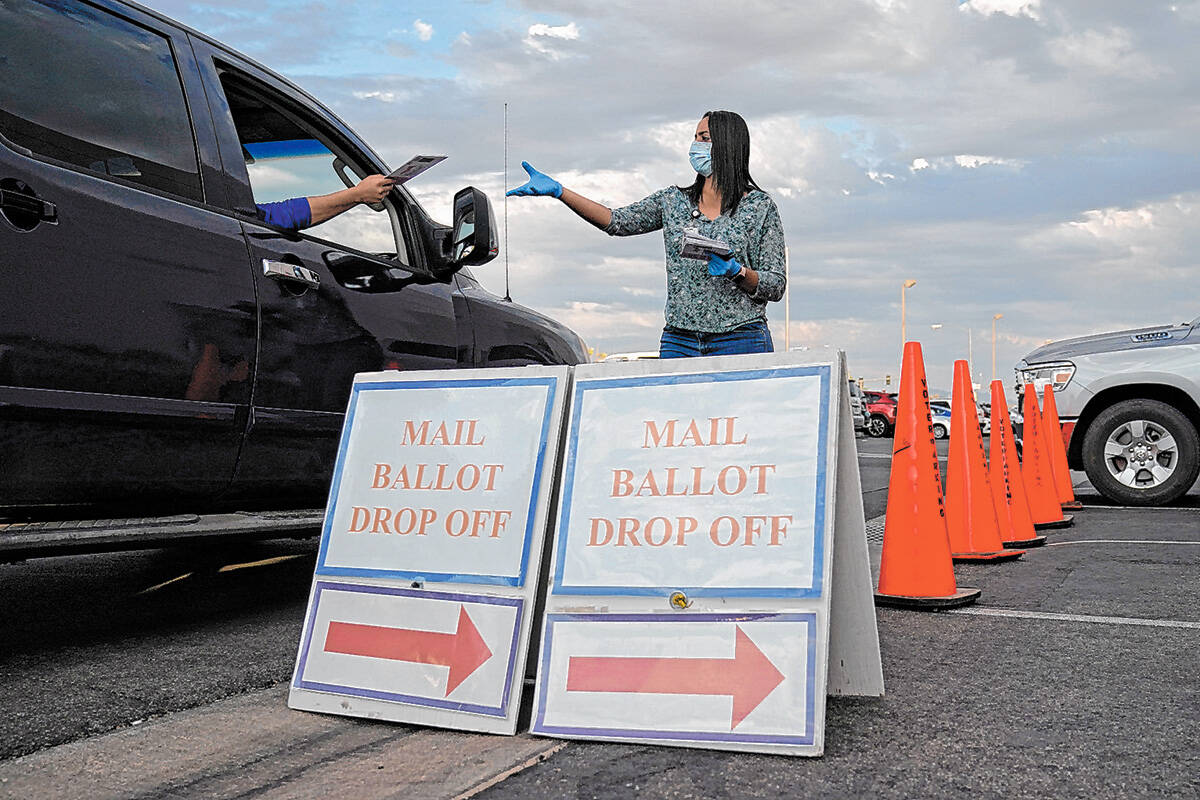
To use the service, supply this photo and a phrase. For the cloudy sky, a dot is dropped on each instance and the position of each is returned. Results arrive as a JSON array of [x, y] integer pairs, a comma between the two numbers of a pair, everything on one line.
[[1031, 158]]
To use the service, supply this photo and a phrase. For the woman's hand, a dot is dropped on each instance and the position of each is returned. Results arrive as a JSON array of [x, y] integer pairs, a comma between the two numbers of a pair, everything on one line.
[[718, 266], [538, 185]]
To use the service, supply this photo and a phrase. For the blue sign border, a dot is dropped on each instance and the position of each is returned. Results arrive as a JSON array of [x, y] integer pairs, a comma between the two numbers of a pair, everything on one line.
[[585, 385], [551, 385], [447, 705], [540, 726]]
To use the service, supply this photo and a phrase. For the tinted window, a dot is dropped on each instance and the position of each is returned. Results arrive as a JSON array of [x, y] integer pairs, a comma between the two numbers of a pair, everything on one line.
[[83, 86]]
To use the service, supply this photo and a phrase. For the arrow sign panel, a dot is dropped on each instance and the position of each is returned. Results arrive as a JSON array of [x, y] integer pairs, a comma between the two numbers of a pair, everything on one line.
[[463, 651], [673, 678], [748, 677]]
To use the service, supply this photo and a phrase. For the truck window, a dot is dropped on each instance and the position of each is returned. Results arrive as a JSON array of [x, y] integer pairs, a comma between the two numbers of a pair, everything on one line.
[[288, 156], [92, 90]]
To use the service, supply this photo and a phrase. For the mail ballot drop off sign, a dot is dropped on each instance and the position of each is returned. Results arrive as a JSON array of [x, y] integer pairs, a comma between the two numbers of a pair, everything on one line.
[[427, 574], [710, 530], [437, 480], [707, 483]]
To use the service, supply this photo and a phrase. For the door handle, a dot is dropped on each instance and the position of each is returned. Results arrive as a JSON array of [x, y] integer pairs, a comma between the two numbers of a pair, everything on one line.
[[283, 271], [23, 208]]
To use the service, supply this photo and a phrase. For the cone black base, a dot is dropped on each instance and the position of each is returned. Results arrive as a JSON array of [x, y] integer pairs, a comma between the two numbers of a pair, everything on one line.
[[962, 597], [1074, 505], [1067, 521], [1036, 541], [993, 557]]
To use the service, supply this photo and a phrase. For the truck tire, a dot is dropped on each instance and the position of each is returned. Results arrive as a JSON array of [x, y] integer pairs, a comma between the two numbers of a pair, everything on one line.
[[1141, 453], [940, 431]]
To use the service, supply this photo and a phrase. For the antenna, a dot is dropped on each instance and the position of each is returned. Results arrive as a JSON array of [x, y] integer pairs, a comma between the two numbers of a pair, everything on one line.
[[504, 188]]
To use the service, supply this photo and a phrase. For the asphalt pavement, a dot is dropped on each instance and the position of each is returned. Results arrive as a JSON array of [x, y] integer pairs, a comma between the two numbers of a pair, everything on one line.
[[1074, 676]]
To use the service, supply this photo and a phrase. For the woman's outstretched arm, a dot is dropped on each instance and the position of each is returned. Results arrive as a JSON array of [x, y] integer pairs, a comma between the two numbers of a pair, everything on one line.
[[593, 212]]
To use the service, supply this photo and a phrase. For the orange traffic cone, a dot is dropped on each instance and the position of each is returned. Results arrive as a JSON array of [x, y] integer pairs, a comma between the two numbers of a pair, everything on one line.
[[915, 570], [1058, 451], [970, 508], [1008, 488], [1036, 470]]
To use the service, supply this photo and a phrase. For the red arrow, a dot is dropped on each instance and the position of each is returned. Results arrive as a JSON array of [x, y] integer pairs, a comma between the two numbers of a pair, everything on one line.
[[463, 651], [748, 677]]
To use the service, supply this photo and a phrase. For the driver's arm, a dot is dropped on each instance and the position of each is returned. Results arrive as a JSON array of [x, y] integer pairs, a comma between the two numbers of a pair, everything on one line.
[[370, 189]]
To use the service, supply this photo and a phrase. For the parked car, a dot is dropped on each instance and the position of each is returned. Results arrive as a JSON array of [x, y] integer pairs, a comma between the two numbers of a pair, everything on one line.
[[940, 409], [1129, 403], [162, 348], [857, 407], [881, 413]]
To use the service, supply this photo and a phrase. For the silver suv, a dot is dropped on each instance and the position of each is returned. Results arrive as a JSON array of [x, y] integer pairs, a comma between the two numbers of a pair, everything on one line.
[[1129, 402], [858, 407]]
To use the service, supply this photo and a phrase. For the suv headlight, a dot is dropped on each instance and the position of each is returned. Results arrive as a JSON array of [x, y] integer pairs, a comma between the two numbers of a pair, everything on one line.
[[1056, 376]]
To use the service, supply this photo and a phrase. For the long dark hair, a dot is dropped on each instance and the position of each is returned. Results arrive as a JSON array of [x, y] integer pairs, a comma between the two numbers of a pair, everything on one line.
[[730, 160]]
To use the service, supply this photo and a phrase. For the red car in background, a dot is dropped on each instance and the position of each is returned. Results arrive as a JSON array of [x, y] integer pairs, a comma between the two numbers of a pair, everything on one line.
[[881, 413]]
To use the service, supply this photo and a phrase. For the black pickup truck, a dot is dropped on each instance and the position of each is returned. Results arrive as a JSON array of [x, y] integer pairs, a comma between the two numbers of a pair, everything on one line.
[[172, 366]]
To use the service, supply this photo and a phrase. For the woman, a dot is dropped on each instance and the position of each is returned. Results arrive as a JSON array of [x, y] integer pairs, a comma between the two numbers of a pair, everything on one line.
[[720, 310]]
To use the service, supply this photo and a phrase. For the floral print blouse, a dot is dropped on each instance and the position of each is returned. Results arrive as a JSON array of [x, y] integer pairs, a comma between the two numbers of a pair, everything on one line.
[[697, 301]]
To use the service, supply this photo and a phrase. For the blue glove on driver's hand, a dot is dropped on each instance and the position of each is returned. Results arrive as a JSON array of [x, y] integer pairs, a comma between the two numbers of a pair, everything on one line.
[[718, 266], [539, 185]]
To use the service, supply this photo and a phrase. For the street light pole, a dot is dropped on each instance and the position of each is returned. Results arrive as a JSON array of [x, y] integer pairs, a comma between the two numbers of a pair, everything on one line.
[[970, 355], [787, 300], [994, 318], [908, 284]]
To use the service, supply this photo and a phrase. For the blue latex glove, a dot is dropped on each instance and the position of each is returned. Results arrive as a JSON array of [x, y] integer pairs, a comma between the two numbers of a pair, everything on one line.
[[538, 185], [718, 266]]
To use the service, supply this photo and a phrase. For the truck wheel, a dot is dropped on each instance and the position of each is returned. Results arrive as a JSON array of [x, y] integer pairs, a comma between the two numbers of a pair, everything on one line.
[[877, 425], [1141, 453]]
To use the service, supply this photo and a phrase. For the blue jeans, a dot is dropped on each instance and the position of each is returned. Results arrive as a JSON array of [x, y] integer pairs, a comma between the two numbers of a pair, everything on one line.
[[753, 337]]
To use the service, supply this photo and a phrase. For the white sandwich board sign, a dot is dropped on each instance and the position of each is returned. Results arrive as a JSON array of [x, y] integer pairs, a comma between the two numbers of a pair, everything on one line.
[[428, 567], [710, 580]]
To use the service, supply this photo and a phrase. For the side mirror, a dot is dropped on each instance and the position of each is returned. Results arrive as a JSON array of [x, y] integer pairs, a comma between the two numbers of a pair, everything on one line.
[[474, 239]]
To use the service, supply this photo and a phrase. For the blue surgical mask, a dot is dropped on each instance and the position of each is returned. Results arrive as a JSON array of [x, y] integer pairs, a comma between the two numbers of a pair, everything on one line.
[[700, 154]]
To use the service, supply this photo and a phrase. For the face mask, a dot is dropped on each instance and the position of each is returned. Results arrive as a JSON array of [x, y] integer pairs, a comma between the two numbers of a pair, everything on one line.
[[700, 154]]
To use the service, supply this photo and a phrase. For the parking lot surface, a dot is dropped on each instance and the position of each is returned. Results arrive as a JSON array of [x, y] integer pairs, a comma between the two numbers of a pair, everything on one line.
[[1074, 676]]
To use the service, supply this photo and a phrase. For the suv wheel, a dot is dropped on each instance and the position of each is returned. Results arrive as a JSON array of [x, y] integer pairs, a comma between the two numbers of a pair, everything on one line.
[[1141, 453], [940, 431], [877, 425]]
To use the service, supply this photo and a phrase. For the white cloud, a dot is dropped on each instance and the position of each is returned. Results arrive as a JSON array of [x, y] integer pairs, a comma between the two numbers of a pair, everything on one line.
[[386, 97], [974, 162], [1104, 223], [541, 38], [424, 30], [1012, 8], [568, 31], [964, 161]]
